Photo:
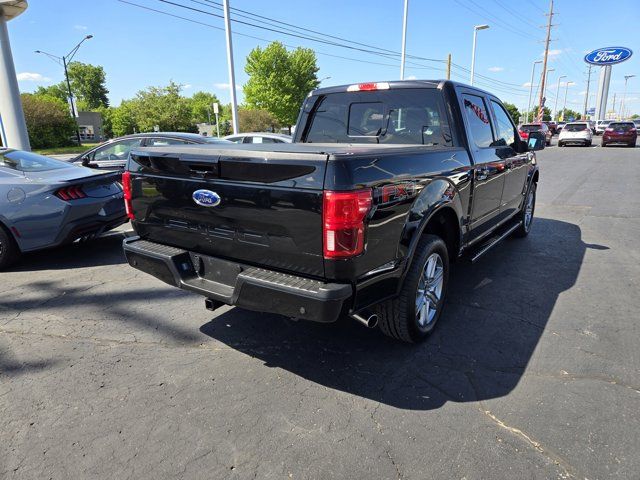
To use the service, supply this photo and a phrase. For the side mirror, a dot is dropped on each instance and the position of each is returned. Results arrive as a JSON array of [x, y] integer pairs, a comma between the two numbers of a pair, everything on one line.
[[536, 141]]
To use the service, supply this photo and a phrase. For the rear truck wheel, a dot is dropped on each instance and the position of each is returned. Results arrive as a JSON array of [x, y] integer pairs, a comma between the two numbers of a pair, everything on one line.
[[413, 314], [526, 214], [9, 251]]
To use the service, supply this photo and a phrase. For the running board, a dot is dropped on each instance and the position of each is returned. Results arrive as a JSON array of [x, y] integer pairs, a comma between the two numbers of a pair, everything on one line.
[[492, 242]]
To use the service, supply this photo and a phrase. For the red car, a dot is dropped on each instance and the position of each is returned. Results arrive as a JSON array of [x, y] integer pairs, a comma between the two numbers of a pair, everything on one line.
[[620, 132], [524, 130]]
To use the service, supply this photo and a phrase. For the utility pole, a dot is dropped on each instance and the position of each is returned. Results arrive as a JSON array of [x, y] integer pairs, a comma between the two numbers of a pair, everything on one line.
[[544, 63], [404, 38], [614, 106], [232, 75], [449, 67], [586, 97], [566, 91]]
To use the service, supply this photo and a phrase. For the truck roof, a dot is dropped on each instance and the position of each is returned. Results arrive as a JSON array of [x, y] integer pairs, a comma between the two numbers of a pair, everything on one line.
[[394, 84]]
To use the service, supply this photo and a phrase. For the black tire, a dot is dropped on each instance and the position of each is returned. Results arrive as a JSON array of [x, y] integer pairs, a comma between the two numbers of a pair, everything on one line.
[[560, 144], [588, 144], [525, 226], [603, 144], [9, 251], [632, 145], [397, 317]]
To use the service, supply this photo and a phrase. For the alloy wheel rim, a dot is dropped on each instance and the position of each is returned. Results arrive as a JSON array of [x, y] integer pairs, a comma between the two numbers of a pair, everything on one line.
[[429, 290], [528, 211]]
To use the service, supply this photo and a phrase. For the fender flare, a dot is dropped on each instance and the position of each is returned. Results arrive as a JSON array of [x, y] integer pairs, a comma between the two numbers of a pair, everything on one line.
[[448, 198]]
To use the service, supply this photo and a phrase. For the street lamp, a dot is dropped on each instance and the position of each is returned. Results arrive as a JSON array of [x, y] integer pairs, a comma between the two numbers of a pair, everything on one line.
[[533, 71], [555, 107], [624, 96], [65, 59], [566, 90], [473, 51], [323, 79], [546, 81]]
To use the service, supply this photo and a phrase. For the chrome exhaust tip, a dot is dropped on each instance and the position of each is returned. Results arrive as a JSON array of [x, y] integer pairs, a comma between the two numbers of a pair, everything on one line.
[[369, 322]]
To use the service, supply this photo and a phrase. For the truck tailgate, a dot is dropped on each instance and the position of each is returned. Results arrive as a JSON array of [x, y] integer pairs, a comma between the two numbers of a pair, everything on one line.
[[258, 207]]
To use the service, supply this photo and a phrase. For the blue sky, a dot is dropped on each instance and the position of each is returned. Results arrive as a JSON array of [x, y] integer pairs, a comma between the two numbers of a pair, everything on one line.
[[139, 48]]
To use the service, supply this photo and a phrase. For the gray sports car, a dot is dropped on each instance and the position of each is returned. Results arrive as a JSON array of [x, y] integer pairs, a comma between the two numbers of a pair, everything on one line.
[[45, 203]]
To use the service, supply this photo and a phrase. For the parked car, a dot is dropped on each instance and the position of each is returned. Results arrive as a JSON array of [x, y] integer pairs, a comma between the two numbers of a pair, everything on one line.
[[113, 154], [576, 133], [620, 133], [636, 122], [382, 188], [601, 125], [259, 137], [552, 126], [560, 126], [527, 128], [46, 202]]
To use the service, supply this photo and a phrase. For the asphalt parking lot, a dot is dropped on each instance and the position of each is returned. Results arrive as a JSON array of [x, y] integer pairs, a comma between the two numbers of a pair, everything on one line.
[[533, 372]]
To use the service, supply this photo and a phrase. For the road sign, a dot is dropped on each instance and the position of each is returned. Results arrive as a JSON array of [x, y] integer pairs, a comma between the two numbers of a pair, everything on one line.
[[608, 56], [216, 108], [591, 111]]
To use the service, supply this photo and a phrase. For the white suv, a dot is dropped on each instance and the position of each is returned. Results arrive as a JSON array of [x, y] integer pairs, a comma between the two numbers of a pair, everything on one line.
[[576, 133]]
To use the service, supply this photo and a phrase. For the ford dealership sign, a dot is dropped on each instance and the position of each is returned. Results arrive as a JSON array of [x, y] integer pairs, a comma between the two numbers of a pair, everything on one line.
[[608, 56]]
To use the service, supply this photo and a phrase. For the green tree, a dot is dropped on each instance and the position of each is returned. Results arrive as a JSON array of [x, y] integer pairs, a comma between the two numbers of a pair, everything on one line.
[[48, 121], [201, 107], [253, 120], [567, 113], [513, 111], [122, 119], [279, 80], [164, 107], [87, 85]]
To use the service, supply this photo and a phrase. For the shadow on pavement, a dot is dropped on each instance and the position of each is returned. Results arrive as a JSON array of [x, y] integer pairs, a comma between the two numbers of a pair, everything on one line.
[[495, 315], [103, 250]]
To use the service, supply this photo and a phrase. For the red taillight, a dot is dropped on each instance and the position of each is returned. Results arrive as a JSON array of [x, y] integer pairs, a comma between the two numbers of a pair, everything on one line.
[[73, 192], [126, 189], [343, 215], [367, 87]]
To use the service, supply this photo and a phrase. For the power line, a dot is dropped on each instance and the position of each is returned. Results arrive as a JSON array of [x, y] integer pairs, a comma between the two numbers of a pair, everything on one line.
[[493, 19]]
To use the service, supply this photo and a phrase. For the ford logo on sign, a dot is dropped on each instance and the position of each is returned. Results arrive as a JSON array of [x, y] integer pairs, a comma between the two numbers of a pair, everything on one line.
[[608, 56], [206, 198]]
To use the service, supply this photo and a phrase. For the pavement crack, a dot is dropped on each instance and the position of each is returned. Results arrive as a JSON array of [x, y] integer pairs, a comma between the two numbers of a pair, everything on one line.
[[568, 470]]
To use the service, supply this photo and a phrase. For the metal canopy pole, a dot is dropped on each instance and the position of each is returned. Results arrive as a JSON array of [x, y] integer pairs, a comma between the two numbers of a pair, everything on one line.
[[14, 131]]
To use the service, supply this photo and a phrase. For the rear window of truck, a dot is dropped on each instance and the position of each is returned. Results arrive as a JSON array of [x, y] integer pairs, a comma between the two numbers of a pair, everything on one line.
[[401, 116]]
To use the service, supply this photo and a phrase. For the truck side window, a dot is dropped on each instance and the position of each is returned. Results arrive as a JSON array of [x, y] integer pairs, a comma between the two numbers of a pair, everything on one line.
[[478, 118], [505, 130]]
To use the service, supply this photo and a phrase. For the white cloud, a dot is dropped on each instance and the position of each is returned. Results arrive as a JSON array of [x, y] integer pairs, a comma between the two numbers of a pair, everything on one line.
[[553, 52], [496, 69], [411, 77], [226, 85], [186, 86], [32, 77], [80, 27], [526, 84]]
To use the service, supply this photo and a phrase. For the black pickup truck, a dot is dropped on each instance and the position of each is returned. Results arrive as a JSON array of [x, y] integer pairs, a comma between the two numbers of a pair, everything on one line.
[[385, 184]]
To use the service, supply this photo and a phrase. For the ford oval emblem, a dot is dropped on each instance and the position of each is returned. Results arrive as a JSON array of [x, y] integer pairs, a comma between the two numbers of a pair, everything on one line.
[[608, 56], [206, 198]]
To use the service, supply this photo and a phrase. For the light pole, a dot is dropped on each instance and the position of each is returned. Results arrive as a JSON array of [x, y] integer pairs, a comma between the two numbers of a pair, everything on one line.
[[566, 90], [404, 38], [13, 129], [555, 107], [533, 71], [473, 51], [323, 79], [65, 59], [624, 96], [546, 83]]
